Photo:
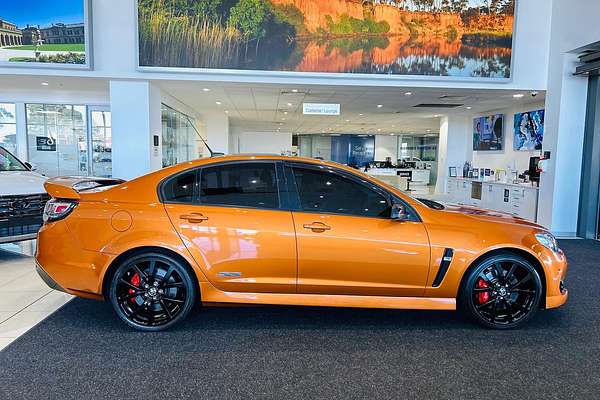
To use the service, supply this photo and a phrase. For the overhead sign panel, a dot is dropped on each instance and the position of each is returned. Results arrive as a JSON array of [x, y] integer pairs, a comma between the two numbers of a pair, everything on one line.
[[320, 109]]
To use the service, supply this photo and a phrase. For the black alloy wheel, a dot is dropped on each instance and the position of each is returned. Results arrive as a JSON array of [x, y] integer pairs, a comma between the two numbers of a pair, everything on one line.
[[502, 292], [152, 291]]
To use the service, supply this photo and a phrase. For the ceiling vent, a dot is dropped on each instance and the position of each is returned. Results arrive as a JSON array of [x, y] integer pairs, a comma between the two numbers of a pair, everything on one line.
[[438, 105]]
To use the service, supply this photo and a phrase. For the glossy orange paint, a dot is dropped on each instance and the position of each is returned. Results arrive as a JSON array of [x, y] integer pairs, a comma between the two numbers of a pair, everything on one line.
[[282, 256]]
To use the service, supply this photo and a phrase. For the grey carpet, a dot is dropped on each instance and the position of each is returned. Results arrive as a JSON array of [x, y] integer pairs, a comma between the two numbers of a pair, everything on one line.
[[84, 351]]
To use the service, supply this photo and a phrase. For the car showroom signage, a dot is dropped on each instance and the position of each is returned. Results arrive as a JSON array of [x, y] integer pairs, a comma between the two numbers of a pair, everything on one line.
[[320, 109]]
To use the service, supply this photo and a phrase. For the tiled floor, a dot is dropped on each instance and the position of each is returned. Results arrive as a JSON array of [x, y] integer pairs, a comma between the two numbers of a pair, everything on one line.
[[25, 299]]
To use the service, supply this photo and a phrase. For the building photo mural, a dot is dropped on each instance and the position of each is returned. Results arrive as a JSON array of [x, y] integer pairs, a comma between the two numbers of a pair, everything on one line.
[[43, 31], [529, 131], [457, 38]]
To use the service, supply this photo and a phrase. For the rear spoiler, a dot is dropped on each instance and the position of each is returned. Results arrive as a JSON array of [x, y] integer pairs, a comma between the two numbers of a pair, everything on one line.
[[69, 187]]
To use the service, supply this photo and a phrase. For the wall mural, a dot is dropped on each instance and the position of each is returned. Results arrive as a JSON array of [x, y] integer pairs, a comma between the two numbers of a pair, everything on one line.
[[529, 131], [459, 38], [42, 31]]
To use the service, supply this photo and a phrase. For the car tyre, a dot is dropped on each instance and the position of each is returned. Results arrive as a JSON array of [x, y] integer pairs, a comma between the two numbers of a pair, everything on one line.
[[152, 291], [501, 292]]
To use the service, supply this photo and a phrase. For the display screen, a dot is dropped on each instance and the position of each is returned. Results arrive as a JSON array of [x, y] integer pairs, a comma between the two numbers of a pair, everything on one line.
[[467, 38], [488, 133], [529, 131], [44, 32]]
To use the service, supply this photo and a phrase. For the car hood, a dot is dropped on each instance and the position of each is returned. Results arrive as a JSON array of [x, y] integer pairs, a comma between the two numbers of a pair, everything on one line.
[[21, 182], [490, 215]]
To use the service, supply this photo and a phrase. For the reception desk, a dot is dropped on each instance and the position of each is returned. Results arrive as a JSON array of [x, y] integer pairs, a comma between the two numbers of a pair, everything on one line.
[[514, 198], [402, 178]]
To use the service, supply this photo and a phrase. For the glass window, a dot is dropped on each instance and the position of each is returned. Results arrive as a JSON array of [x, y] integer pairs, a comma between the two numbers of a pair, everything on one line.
[[240, 184], [180, 142], [101, 143], [57, 138], [8, 127], [180, 189], [329, 192]]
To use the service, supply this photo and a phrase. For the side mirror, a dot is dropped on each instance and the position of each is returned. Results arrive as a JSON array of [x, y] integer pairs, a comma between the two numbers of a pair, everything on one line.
[[399, 212], [31, 167]]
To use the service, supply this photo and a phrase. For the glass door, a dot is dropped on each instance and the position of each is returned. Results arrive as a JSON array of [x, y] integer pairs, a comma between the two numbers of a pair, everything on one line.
[[57, 138], [100, 129]]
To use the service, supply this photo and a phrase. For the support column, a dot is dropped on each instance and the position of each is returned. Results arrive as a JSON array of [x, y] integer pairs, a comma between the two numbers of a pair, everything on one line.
[[136, 118], [454, 149], [21, 115], [217, 131], [558, 205]]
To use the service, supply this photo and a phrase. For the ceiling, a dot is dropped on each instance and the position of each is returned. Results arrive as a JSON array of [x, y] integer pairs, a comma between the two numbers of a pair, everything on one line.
[[266, 107]]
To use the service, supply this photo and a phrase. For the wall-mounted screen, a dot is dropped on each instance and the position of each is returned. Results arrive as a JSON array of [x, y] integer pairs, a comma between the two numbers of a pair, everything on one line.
[[466, 38], [353, 150], [488, 133], [529, 131], [44, 33]]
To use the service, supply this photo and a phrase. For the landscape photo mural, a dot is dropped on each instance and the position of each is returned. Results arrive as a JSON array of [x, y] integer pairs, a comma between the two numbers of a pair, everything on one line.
[[458, 38]]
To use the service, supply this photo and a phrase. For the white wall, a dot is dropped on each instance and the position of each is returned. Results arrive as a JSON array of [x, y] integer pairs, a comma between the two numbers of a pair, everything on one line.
[[115, 50], [264, 142], [508, 157], [386, 146], [454, 148], [574, 25]]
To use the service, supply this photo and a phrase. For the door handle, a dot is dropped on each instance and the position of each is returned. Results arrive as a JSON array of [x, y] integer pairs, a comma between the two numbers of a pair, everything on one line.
[[317, 227], [194, 218]]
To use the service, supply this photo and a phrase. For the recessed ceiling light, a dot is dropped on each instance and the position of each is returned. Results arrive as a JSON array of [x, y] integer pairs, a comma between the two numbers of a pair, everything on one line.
[[285, 113], [283, 119], [295, 90], [436, 116], [218, 103], [379, 105], [518, 95], [469, 107], [289, 104], [226, 111], [408, 94], [361, 114], [393, 126], [391, 134], [347, 120], [428, 130], [378, 129], [206, 89], [45, 83]]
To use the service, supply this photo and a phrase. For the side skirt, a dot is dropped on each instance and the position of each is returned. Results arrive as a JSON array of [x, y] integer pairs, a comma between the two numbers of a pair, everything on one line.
[[212, 295]]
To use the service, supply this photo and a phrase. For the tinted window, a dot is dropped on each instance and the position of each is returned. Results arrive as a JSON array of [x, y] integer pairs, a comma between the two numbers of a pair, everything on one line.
[[329, 192], [180, 188], [240, 184]]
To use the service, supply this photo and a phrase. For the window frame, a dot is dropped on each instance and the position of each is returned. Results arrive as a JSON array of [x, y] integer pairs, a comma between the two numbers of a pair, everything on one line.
[[281, 204], [296, 204]]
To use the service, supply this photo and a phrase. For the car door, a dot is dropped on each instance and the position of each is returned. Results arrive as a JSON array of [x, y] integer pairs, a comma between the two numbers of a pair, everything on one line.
[[347, 242], [229, 217]]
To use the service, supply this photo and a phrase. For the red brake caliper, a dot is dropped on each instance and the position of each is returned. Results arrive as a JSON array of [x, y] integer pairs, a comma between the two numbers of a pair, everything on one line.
[[135, 281], [482, 297]]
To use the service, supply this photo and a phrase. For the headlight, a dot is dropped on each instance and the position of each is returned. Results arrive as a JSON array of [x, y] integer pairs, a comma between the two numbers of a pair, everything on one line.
[[546, 239]]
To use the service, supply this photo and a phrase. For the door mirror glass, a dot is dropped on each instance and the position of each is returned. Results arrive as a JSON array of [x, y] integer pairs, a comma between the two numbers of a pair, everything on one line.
[[399, 212], [31, 167]]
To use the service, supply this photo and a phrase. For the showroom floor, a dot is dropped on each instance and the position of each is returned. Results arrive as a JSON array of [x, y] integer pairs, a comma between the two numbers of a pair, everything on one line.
[[84, 351], [25, 299]]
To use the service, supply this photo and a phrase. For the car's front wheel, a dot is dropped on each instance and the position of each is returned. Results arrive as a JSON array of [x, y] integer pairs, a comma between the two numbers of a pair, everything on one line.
[[152, 291], [502, 291]]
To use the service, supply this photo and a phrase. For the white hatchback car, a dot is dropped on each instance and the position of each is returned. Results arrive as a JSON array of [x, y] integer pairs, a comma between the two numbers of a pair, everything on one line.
[[22, 199]]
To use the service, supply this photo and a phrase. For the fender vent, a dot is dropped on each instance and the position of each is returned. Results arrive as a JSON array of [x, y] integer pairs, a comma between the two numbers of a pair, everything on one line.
[[444, 265]]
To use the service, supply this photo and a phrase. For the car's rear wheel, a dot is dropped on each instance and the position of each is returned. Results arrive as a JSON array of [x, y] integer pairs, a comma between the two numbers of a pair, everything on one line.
[[502, 292], [152, 291]]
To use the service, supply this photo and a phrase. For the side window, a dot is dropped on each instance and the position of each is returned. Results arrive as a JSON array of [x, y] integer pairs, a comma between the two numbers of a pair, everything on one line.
[[329, 192], [180, 188], [240, 184]]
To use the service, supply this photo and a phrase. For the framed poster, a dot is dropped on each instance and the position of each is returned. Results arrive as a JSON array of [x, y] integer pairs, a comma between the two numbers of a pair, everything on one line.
[[488, 133], [529, 131], [43, 34], [437, 39]]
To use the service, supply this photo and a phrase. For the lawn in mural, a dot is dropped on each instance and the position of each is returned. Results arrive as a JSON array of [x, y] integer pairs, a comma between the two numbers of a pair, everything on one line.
[[529, 131], [42, 31], [459, 38]]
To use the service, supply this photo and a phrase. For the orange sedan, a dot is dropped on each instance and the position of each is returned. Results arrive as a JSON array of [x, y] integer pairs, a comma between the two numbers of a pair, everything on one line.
[[288, 231]]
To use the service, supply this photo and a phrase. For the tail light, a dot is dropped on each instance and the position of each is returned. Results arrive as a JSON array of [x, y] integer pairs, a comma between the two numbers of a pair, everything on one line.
[[58, 209]]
